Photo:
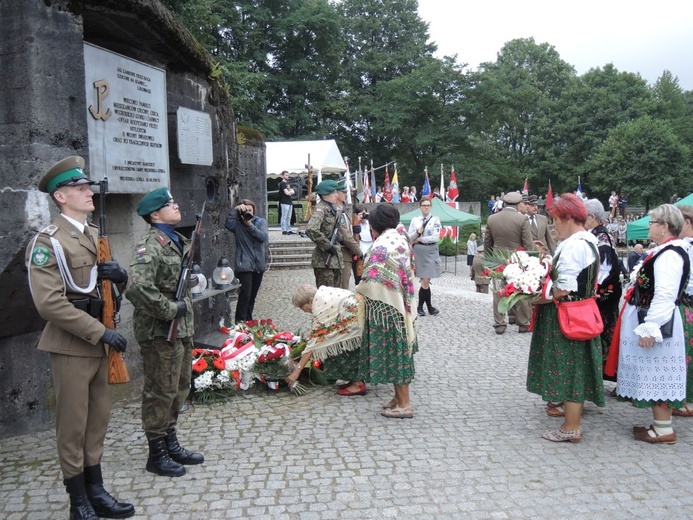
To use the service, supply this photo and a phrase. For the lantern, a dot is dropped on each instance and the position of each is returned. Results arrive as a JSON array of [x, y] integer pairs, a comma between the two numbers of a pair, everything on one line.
[[223, 274]]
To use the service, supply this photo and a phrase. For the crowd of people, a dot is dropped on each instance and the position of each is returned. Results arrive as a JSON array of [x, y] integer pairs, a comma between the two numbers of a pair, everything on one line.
[[366, 336]]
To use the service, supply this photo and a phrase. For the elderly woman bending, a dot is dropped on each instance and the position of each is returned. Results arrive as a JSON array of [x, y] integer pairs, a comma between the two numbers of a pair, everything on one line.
[[649, 341], [561, 369]]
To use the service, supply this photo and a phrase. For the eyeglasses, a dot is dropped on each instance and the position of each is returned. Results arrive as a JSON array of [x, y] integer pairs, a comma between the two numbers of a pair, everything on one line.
[[654, 222], [425, 205], [170, 203]]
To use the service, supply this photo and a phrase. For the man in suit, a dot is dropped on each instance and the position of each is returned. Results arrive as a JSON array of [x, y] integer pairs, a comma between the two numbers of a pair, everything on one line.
[[509, 229], [62, 265], [539, 225]]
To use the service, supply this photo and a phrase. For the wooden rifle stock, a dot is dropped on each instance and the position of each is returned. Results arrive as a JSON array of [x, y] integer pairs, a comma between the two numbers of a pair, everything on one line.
[[117, 369]]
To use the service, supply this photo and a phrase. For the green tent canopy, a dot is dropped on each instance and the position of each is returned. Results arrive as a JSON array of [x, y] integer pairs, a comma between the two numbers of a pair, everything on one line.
[[639, 229], [448, 216]]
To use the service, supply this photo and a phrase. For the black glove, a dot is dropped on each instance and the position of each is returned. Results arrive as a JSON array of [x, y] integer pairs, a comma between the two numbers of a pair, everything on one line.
[[182, 309], [193, 281], [110, 270], [115, 339], [333, 251]]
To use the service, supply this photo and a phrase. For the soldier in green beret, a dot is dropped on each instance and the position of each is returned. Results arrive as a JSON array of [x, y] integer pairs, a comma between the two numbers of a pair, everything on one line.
[[328, 215], [61, 262], [154, 274]]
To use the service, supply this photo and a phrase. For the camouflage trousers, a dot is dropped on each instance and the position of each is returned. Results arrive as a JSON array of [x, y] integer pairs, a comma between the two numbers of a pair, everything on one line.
[[167, 375], [329, 277]]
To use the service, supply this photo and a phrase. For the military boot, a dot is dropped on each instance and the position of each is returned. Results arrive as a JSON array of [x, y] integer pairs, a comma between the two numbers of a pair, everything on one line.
[[105, 505], [180, 454], [80, 507], [159, 461]]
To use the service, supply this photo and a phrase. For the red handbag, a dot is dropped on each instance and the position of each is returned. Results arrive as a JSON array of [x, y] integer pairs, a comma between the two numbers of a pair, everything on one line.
[[580, 319]]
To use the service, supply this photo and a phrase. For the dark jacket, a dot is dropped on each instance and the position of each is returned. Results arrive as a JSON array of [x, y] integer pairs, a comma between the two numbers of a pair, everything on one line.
[[251, 242]]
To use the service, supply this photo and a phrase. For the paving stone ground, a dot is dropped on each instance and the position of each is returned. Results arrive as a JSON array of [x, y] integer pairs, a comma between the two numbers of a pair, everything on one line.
[[473, 449]]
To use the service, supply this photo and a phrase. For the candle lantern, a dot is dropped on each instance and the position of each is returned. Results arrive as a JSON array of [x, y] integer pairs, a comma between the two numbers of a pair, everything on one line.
[[223, 274]]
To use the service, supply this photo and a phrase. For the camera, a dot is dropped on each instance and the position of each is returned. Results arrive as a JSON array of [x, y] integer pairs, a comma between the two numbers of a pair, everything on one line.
[[364, 215], [246, 215]]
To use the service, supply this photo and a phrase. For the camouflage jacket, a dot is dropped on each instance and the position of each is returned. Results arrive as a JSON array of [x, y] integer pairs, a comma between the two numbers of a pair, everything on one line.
[[319, 230], [154, 274]]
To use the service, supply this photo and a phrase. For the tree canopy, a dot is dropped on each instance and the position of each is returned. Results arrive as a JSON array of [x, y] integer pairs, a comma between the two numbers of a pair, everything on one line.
[[364, 73]]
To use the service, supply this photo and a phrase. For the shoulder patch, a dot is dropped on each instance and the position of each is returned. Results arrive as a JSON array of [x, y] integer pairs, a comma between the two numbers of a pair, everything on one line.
[[318, 210], [161, 239], [142, 251], [49, 230], [40, 255]]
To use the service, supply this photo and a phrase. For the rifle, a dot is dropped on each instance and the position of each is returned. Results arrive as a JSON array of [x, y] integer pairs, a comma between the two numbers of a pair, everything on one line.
[[333, 237], [117, 368], [185, 273]]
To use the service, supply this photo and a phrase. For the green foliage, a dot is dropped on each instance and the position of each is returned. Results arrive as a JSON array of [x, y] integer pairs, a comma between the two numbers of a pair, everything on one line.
[[644, 159], [446, 247]]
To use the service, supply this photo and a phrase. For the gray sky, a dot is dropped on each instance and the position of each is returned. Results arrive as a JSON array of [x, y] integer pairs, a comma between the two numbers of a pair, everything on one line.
[[636, 36]]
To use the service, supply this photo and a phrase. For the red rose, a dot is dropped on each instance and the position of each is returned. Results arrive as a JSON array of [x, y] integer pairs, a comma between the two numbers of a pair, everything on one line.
[[263, 322]]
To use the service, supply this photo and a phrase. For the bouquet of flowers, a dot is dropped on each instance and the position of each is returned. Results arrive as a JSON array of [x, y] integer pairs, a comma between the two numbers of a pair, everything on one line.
[[518, 275], [211, 380]]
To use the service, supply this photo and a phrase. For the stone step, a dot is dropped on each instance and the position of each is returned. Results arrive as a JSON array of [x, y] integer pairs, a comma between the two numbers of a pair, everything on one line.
[[295, 251], [289, 265], [290, 258]]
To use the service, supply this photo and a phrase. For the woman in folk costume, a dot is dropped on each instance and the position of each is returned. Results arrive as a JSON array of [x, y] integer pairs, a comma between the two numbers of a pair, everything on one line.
[[609, 281], [335, 336], [424, 232], [686, 309], [649, 346], [561, 369], [388, 287]]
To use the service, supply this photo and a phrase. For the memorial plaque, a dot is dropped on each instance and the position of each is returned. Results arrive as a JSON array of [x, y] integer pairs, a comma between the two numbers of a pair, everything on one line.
[[126, 114], [194, 137]]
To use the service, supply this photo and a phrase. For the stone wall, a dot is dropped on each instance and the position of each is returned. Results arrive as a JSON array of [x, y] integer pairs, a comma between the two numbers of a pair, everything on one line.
[[43, 119]]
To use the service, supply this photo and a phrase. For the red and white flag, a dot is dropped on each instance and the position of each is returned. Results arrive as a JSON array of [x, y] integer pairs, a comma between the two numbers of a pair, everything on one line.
[[453, 192]]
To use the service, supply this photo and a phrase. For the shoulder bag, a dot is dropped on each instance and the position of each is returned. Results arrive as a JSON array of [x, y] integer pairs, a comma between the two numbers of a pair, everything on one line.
[[580, 320]]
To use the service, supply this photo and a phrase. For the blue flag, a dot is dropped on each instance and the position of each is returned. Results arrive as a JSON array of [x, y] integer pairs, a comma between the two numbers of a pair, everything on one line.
[[374, 188], [426, 190]]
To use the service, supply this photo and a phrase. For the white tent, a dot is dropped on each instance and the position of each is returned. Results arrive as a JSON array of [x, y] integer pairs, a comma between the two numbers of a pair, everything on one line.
[[293, 157]]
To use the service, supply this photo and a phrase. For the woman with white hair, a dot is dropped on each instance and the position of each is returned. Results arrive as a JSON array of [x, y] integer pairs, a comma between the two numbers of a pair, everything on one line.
[[649, 347], [608, 280]]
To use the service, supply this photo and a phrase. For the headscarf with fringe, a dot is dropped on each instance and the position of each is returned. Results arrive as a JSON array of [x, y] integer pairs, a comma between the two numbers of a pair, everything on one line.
[[388, 278]]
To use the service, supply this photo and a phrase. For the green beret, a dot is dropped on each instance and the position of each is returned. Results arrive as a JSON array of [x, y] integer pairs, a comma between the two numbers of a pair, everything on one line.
[[68, 172], [153, 201], [327, 187]]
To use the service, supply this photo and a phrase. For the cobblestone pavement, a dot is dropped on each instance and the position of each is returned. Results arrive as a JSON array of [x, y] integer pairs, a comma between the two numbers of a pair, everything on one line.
[[473, 449]]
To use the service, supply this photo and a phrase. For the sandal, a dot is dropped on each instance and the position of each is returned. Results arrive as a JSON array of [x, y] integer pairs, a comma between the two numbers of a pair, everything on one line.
[[360, 390], [392, 403], [398, 413], [683, 412], [555, 409], [643, 434], [560, 435]]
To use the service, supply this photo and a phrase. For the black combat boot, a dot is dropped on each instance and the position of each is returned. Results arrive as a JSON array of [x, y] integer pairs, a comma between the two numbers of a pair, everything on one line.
[[105, 505], [160, 463], [80, 508], [180, 454]]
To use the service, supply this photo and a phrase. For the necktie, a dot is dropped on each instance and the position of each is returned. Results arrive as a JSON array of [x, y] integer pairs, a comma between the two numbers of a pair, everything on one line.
[[533, 220], [88, 234]]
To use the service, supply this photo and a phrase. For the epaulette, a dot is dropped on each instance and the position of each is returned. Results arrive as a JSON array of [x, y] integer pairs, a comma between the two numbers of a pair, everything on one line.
[[49, 230], [162, 240], [91, 224]]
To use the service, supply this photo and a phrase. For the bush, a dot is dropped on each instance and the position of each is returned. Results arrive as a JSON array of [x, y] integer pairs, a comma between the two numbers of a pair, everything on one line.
[[447, 247]]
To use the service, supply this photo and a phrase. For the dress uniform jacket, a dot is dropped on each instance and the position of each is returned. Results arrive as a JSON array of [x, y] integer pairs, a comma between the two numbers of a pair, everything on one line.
[[543, 233], [69, 330], [154, 275], [508, 229]]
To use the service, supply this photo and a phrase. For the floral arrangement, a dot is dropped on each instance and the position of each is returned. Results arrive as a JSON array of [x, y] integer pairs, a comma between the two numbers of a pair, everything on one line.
[[517, 275], [211, 380]]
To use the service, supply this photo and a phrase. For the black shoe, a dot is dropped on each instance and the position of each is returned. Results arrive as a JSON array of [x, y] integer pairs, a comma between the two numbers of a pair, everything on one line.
[[80, 507], [420, 312], [159, 461], [500, 331], [433, 311], [180, 454], [290, 232], [285, 232], [105, 505]]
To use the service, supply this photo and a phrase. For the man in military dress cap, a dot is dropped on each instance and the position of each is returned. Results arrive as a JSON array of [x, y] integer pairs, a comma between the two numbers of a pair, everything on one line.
[[154, 275], [328, 214], [63, 272], [509, 229]]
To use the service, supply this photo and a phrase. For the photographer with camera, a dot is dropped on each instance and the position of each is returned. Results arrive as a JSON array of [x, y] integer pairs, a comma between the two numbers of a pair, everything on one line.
[[251, 241]]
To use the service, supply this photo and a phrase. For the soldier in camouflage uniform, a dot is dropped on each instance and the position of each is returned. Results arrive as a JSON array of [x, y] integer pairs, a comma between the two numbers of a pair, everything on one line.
[[155, 272], [320, 228]]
